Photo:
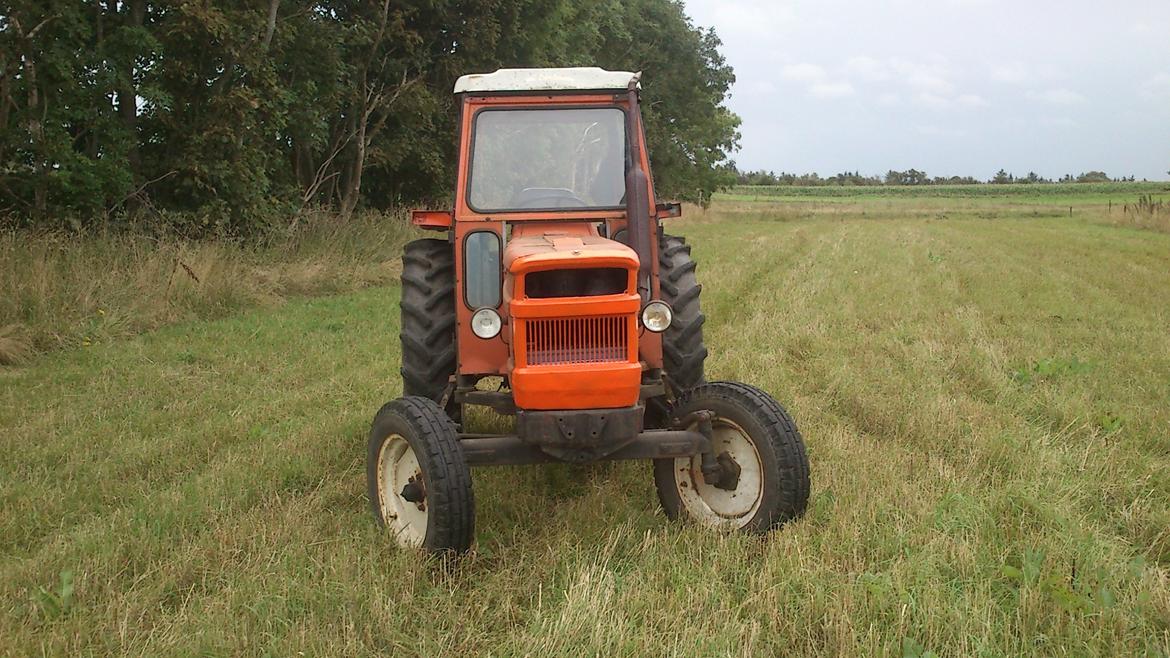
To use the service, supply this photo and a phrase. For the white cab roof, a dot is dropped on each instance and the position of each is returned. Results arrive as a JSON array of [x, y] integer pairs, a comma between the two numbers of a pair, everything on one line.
[[583, 78]]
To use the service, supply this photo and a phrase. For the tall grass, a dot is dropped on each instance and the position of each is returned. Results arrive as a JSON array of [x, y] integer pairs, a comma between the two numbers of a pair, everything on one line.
[[1147, 212], [64, 289]]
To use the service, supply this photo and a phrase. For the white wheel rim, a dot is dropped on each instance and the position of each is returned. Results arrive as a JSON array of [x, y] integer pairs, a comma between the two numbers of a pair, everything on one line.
[[397, 467], [720, 508]]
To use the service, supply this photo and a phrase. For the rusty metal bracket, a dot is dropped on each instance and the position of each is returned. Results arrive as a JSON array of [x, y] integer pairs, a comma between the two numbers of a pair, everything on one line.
[[447, 392]]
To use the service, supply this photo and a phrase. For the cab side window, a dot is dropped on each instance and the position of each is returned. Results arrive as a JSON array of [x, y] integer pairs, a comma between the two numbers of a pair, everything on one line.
[[481, 269]]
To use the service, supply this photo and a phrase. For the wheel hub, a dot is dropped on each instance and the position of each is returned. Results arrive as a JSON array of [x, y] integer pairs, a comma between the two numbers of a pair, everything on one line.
[[402, 491], [729, 470], [722, 488], [415, 492]]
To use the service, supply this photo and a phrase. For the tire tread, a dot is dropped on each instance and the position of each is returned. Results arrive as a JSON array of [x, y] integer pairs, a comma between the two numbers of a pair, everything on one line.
[[427, 310], [683, 351], [779, 430], [435, 440]]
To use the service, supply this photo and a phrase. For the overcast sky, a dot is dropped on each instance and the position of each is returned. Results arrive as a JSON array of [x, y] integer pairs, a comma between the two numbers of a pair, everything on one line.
[[952, 87]]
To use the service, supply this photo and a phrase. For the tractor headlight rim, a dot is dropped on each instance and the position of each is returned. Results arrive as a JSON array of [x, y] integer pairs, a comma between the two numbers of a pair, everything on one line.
[[657, 316], [486, 323]]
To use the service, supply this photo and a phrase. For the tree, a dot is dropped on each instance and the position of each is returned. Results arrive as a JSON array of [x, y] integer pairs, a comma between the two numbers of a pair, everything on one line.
[[689, 130], [239, 112], [1093, 177], [61, 144]]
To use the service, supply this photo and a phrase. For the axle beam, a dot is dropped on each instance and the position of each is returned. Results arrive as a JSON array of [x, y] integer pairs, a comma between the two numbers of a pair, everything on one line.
[[501, 450]]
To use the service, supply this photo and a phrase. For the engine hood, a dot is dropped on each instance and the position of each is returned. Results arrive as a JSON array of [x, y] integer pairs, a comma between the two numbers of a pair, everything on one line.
[[552, 249]]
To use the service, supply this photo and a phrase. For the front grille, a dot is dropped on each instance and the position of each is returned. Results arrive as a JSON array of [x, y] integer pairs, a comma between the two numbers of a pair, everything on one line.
[[567, 341]]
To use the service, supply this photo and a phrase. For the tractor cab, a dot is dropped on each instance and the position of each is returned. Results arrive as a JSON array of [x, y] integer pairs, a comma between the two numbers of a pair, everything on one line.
[[550, 276], [553, 274]]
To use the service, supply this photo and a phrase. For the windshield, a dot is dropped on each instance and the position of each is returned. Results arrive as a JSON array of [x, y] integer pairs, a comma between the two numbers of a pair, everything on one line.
[[548, 159]]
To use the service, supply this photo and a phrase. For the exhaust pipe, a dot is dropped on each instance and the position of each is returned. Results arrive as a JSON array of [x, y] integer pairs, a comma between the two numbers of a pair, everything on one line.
[[637, 200]]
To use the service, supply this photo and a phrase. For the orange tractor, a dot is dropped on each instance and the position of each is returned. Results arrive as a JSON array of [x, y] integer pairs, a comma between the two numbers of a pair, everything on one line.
[[554, 275]]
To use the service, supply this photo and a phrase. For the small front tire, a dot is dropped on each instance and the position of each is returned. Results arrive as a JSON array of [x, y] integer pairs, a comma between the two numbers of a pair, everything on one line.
[[417, 478], [751, 429]]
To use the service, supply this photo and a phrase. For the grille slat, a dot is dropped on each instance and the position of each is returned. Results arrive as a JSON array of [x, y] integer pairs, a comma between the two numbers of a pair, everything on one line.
[[570, 341]]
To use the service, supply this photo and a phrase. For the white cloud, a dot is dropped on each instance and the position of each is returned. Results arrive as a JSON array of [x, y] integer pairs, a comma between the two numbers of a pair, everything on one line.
[[927, 82], [930, 82], [1157, 86], [971, 100], [935, 101], [867, 68], [1146, 28], [817, 80], [803, 72], [1058, 96], [939, 131], [831, 89], [1058, 122], [1013, 73], [930, 76], [932, 100], [758, 20], [761, 87]]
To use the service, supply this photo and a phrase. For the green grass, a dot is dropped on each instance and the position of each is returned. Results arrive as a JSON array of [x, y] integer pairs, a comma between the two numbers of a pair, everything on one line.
[[67, 289], [984, 400]]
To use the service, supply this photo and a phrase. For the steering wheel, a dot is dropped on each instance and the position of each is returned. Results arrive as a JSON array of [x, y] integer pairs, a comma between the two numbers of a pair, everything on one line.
[[548, 197]]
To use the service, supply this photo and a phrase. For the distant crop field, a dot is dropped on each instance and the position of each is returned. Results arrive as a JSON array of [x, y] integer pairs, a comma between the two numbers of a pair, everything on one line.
[[982, 387], [1018, 191]]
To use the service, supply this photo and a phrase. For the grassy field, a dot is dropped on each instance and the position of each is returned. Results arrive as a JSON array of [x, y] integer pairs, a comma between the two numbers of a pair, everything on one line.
[[982, 386], [63, 290]]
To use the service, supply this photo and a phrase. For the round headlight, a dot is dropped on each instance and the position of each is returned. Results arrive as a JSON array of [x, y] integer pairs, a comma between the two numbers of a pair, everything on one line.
[[486, 323], [657, 316]]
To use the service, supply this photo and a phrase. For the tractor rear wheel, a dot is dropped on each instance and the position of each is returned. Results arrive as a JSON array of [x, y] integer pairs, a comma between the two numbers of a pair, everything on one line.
[[761, 456], [417, 479], [683, 351], [428, 318]]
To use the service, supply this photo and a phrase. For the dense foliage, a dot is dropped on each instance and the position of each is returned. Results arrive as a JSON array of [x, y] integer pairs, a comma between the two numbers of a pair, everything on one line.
[[237, 113]]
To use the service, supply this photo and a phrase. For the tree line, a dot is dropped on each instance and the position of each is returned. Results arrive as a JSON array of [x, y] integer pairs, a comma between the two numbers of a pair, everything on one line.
[[234, 115], [913, 177]]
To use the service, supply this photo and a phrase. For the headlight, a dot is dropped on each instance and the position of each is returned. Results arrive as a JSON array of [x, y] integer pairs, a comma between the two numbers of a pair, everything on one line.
[[486, 323], [657, 316]]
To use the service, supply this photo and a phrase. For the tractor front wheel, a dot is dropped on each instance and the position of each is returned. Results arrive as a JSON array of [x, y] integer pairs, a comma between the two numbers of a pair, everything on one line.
[[417, 478], [757, 452]]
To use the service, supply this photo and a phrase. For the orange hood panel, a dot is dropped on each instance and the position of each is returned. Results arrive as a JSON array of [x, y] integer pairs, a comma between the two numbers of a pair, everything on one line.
[[558, 247]]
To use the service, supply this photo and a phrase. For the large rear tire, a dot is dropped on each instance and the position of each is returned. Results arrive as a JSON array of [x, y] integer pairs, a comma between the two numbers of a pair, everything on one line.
[[428, 318], [758, 436], [683, 351], [417, 478]]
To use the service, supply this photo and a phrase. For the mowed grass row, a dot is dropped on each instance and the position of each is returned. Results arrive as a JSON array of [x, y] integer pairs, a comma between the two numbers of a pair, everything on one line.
[[984, 401]]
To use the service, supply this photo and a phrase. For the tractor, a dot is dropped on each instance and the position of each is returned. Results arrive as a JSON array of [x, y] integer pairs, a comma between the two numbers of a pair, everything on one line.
[[553, 279]]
